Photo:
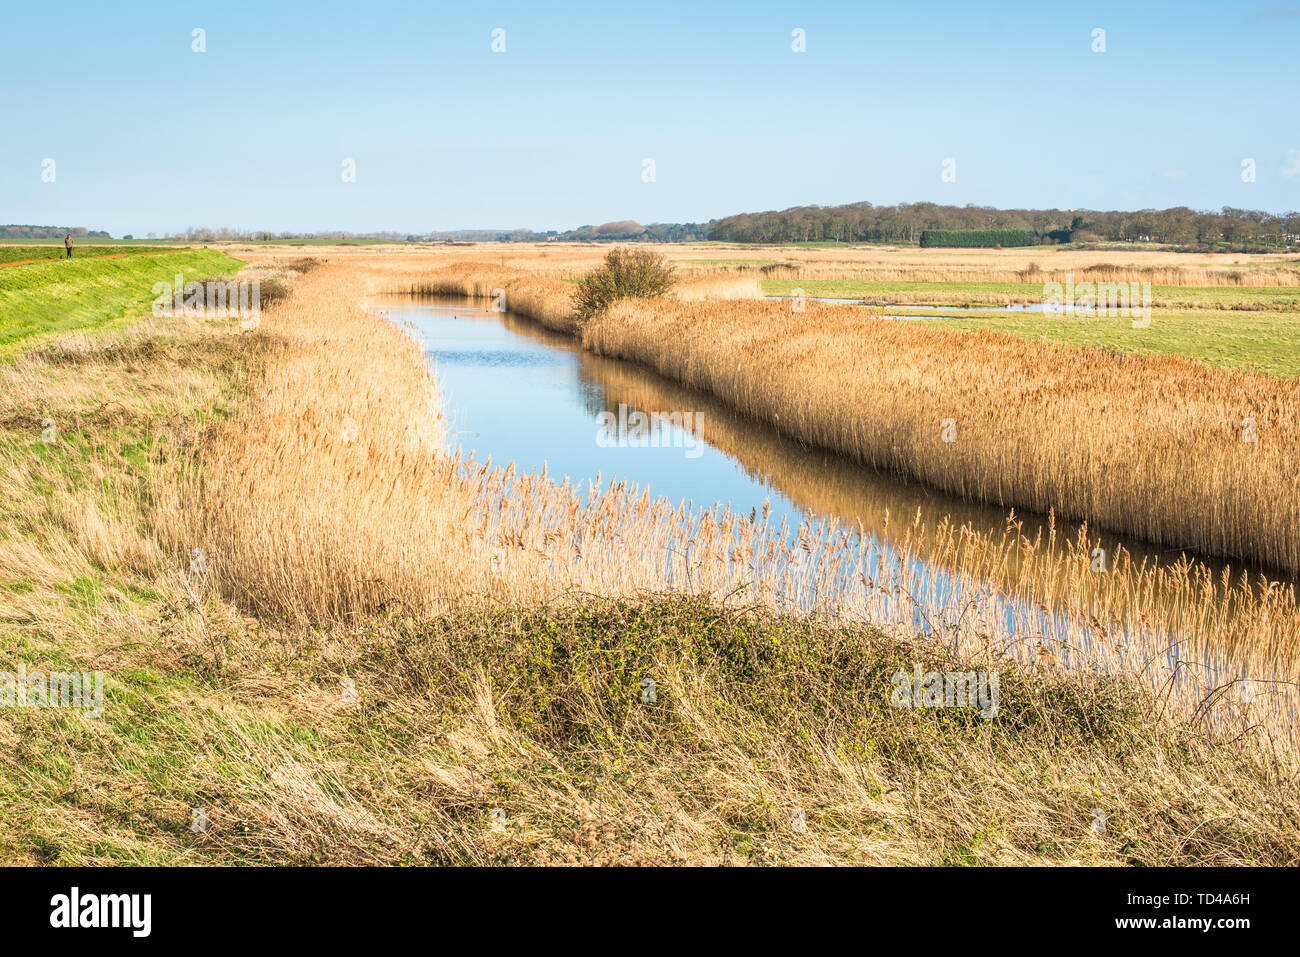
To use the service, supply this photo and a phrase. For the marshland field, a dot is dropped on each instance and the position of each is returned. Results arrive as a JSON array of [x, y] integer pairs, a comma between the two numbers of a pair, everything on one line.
[[369, 579]]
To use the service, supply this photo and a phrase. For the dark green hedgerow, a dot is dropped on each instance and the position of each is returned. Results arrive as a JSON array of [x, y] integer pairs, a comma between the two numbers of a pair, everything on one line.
[[976, 238]]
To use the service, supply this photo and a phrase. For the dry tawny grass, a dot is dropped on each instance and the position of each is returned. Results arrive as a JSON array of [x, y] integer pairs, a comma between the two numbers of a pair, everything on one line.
[[1033, 272], [716, 285], [549, 301], [569, 260]]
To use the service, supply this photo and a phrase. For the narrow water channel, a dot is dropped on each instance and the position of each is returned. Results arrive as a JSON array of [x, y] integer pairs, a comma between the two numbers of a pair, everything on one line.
[[516, 392]]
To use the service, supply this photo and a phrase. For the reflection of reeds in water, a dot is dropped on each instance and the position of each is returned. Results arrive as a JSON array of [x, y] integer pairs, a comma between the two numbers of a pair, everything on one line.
[[1128, 595], [336, 499], [1150, 446], [1143, 611], [548, 301]]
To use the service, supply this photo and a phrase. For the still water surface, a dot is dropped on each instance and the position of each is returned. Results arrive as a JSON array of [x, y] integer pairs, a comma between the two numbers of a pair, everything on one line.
[[516, 392]]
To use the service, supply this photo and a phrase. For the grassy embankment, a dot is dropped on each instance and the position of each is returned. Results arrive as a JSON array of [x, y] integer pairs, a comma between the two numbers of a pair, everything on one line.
[[173, 243], [46, 242], [82, 294], [18, 254], [358, 551]]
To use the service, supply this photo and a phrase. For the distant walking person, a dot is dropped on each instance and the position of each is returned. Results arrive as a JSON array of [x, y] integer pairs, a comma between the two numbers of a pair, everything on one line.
[[67, 241]]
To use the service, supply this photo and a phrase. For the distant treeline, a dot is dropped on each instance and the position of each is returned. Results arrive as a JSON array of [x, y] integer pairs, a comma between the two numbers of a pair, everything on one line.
[[13, 231], [926, 224], [204, 234], [865, 223], [628, 230], [623, 230], [977, 237]]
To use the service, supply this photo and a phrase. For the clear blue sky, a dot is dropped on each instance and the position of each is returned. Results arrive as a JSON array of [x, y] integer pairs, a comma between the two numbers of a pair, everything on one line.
[[150, 136]]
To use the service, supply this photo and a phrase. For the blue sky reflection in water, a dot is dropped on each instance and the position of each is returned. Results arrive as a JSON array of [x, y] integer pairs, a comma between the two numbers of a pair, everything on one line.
[[513, 398], [515, 392]]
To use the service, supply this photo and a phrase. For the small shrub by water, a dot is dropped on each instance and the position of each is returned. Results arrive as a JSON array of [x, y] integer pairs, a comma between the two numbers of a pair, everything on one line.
[[625, 274]]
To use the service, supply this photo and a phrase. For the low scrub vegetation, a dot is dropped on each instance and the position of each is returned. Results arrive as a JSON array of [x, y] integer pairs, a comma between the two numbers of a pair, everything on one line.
[[625, 274]]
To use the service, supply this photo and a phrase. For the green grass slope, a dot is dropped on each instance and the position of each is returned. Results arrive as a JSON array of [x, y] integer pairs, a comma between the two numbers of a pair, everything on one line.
[[13, 254], [41, 298]]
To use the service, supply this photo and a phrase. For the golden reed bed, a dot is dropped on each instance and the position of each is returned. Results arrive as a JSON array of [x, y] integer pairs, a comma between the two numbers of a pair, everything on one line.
[[548, 301], [337, 499], [1043, 269], [1156, 447], [1032, 264]]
